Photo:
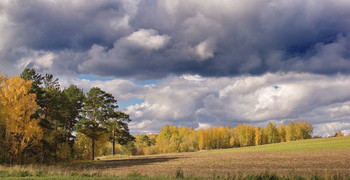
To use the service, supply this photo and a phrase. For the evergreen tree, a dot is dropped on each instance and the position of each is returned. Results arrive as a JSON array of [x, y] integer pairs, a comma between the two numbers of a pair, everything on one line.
[[58, 114], [118, 129], [99, 108], [72, 100]]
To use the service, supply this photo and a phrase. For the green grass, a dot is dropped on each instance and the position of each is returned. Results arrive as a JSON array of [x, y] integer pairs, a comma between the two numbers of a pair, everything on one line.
[[337, 143]]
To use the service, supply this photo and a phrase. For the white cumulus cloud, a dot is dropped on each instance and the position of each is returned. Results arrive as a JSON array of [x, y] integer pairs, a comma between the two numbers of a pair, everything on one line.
[[205, 50], [148, 39], [248, 99]]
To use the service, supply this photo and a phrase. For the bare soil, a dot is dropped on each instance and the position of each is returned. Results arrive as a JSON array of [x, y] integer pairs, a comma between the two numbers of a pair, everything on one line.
[[207, 164]]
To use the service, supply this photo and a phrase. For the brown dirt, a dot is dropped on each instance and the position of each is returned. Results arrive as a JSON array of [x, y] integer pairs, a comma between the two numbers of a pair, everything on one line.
[[203, 164]]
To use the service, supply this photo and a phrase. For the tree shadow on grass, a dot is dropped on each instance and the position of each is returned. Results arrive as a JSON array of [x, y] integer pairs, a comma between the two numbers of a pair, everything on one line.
[[119, 163]]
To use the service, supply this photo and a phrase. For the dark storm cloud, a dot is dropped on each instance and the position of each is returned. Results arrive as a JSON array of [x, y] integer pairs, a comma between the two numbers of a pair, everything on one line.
[[55, 25], [65, 28], [154, 39], [229, 38]]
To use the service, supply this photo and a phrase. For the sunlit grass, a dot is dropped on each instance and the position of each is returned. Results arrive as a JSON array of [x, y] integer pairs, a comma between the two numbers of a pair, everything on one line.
[[336, 143]]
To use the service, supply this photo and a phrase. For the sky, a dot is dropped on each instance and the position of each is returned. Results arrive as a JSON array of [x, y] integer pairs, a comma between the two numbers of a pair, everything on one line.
[[192, 63]]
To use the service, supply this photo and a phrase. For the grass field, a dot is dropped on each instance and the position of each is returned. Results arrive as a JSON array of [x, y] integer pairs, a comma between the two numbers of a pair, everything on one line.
[[326, 158], [339, 143]]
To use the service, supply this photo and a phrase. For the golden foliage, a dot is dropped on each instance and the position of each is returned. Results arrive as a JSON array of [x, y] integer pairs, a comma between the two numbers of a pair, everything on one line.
[[83, 143], [181, 139], [258, 136], [298, 131], [282, 132], [18, 106], [339, 134]]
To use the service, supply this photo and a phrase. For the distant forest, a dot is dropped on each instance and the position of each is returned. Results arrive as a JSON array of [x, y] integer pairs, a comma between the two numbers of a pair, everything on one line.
[[181, 139]]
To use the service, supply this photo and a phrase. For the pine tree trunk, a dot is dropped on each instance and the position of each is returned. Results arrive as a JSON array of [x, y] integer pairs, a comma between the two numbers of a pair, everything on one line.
[[113, 148], [93, 150]]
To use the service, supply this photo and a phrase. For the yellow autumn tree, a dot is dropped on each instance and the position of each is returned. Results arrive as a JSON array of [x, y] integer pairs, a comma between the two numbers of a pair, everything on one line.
[[189, 140], [2, 129], [220, 137], [272, 133], [83, 143], [258, 136], [298, 131], [291, 132], [303, 130], [282, 132], [18, 106], [201, 139], [246, 134], [339, 134]]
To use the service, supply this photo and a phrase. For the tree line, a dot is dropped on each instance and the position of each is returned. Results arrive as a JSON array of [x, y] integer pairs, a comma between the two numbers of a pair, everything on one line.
[[173, 139], [41, 122]]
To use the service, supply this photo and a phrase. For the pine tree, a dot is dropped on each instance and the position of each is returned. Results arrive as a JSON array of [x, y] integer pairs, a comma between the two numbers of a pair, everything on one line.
[[73, 98], [54, 106], [59, 111], [99, 107], [118, 129]]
